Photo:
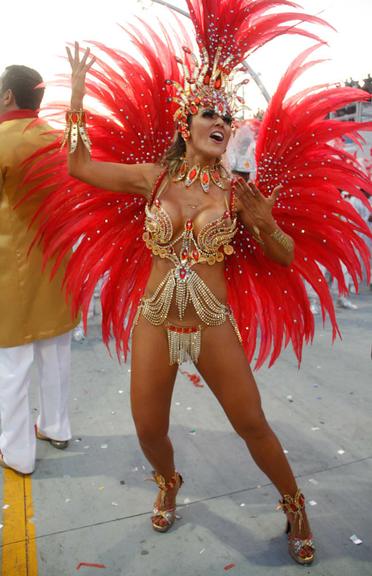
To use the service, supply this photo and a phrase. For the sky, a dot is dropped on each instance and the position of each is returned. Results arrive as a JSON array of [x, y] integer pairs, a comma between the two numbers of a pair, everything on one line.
[[35, 33]]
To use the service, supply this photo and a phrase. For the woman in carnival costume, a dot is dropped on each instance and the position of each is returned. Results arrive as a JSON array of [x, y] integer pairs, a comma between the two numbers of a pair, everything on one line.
[[196, 263]]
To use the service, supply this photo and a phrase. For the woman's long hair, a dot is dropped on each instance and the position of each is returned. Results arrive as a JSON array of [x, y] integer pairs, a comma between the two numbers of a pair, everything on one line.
[[173, 156], [176, 152]]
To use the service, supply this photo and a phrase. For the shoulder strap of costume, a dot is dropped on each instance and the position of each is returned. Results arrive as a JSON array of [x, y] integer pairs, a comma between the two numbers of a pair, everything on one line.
[[232, 207], [158, 182]]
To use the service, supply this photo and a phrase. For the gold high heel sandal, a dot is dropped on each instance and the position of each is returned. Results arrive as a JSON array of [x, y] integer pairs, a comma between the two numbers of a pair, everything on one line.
[[302, 550], [159, 511]]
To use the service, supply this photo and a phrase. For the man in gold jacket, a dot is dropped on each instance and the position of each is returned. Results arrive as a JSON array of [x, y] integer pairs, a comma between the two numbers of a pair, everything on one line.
[[35, 320]]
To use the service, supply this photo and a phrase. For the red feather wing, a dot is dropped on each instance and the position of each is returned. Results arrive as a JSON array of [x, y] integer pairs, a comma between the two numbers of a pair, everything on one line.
[[296, 148], [105, 228]]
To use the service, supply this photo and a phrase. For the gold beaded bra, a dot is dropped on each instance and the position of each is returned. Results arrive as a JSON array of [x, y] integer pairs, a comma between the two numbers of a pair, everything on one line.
[[212, 244]]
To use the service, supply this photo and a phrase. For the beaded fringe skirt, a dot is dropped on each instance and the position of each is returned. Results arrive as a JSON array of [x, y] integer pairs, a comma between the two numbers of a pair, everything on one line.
[[184, 342]]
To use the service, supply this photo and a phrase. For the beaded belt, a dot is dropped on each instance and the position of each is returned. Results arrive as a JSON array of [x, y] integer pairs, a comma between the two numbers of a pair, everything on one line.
[[185, 341]]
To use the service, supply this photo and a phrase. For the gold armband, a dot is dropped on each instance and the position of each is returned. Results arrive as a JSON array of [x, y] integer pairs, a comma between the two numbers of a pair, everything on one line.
[[282, 239], [75, 125]]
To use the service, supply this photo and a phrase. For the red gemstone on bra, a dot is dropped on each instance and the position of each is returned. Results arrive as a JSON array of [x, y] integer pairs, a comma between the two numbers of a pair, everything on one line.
[[184, 255], [226, 214], [205, 178], [183, 273], [195, 255], [192, 174], [188, 225]]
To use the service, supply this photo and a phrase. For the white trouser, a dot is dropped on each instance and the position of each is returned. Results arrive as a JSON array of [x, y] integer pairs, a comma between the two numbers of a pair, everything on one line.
[[53, 359]]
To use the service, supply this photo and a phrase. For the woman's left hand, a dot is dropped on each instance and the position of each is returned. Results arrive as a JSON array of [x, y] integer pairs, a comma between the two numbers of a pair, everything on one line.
[[256, 209]]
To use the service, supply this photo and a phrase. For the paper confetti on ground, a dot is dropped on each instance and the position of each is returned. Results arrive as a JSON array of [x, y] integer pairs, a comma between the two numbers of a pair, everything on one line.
[[340, 451], [354, 538], [194, 378], [312, 503], [229, 567], [313, 481]]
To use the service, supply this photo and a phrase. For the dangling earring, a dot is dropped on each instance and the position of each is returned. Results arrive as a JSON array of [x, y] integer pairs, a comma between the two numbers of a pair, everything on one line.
[[185, 133]]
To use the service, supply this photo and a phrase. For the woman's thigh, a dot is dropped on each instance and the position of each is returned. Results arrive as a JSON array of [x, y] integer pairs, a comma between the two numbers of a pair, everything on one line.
[[226, 370], [152, 379]]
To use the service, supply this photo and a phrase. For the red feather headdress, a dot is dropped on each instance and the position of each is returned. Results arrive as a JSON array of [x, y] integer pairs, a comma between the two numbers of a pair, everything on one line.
[[227, 32]]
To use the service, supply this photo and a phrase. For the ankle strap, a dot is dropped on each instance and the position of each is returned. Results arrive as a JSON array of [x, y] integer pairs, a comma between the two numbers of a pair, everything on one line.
[[294, 504], [162, 484]]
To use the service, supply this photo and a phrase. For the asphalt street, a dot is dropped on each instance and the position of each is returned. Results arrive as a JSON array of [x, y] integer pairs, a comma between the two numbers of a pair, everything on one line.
[[91, 503]]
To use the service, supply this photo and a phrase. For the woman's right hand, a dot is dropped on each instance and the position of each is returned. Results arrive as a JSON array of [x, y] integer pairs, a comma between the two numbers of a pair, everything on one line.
[[79, 69]]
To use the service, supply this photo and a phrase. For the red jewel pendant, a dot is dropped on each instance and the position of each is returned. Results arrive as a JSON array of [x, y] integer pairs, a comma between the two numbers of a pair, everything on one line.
[[188, 225], [184, 254], [192, 175], [181, 172], [183, 273], [216, 178], [195, 255], [205, 179]]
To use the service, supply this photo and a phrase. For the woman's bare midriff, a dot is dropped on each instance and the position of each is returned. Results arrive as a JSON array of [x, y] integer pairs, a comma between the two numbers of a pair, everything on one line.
[[213, 276]]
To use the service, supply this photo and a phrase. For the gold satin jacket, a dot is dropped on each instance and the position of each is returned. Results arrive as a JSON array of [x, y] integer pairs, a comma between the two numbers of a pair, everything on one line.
[[32, 307]]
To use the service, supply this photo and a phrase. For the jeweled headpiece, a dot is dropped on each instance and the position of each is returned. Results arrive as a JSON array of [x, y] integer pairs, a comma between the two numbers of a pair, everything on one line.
[[227, 31], [207, 86]]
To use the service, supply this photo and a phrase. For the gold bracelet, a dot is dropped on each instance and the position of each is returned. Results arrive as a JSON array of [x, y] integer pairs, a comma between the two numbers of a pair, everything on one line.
[[75, 125], [282, 239]]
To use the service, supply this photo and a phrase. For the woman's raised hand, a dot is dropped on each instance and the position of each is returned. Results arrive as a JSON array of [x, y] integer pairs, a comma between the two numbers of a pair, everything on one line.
[[257, 208], [79, 69]]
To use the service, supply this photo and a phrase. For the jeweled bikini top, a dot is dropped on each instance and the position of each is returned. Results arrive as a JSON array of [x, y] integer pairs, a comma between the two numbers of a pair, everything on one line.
[[211, 244]]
